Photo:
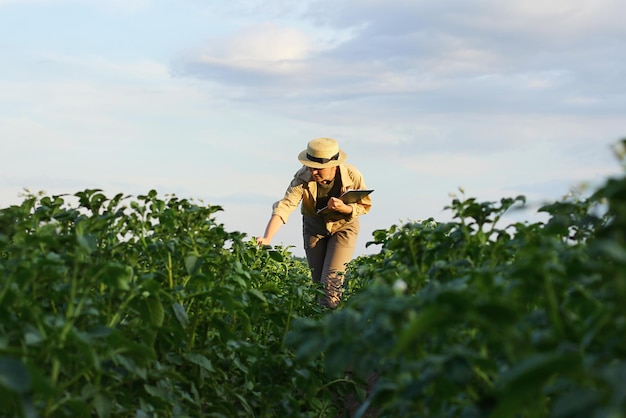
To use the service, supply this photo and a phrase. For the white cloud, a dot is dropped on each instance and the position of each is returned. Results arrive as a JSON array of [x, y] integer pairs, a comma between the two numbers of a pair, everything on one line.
[[264, 48], [424, 54]]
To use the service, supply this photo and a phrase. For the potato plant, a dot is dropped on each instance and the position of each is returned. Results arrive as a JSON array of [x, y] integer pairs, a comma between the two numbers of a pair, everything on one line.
[[146, 307], [142, 308], [468, 319]]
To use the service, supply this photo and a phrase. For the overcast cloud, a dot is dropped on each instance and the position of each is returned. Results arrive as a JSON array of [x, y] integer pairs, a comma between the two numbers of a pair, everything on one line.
[[214, 100]]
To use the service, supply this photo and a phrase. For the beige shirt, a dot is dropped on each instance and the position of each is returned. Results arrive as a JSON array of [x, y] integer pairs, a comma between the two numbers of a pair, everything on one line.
[[304, 189]]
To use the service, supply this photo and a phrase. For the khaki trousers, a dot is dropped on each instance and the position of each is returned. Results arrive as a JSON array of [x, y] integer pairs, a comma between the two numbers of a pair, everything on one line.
[[327, 255]]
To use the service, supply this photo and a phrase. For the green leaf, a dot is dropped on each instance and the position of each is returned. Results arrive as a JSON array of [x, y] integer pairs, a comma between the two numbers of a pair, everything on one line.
[[613, 250], [14, 375], [87, 242], [152, 310], [270, 288], [78, 407], [102, 405], [181, 314], [200, 360], [156, 391], [129, 364], [276, 256], [258, 294], [192, 264], [117, 276], [238, 363], [529, 377], [244, 320], [577, 403]]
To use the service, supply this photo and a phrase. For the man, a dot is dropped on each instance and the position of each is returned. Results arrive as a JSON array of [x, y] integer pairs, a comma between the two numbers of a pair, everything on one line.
[[329, 237]]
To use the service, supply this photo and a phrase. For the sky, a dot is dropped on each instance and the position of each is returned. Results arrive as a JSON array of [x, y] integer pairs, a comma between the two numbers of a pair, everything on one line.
[[213, 100]]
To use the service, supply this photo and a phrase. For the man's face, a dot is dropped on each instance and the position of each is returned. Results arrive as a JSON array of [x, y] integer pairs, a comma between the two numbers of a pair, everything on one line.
[[323, 175]]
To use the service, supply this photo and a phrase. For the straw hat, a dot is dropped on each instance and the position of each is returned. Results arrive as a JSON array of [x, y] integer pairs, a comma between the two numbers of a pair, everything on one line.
[[322, 153]]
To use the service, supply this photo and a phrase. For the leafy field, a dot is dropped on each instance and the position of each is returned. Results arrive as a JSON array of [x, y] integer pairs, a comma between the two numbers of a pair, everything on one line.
[[146, 307]]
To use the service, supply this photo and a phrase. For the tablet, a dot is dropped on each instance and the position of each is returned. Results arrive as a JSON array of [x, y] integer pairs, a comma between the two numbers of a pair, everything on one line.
[[350, 196]]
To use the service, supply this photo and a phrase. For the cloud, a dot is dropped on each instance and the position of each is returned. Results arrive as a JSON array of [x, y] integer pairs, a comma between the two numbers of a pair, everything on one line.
[[532, 18], [265, 49], [473, 53]]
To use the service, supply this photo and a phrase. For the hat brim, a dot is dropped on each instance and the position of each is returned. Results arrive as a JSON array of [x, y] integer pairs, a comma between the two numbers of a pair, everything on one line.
[[302, 157]]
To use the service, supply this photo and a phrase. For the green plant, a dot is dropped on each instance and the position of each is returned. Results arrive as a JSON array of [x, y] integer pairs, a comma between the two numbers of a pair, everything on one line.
[[145, 306], [468, 319]]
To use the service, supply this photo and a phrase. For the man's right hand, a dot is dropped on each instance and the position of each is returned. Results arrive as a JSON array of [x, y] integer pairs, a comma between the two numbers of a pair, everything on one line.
[[263, 241]]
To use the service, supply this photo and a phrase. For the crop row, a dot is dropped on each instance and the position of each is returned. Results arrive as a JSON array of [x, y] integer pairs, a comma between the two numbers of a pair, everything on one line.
[[146, 307]]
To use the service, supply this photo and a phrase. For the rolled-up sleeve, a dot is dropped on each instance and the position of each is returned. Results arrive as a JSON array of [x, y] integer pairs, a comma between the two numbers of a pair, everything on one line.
[[293, 196]]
